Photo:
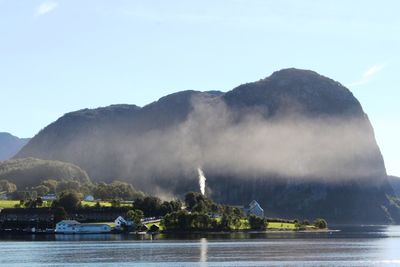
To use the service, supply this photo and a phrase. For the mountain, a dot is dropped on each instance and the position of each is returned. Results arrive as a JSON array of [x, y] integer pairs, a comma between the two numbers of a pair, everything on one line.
[[395, 183], [10, 145], [29, 172], [297, 142]]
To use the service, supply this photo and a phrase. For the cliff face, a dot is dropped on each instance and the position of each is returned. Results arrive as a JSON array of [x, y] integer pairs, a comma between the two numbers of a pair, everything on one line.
[[296, 141]]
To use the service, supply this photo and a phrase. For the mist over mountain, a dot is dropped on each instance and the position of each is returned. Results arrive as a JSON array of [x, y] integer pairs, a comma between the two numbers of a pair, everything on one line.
[[296, 141], [10, 145]]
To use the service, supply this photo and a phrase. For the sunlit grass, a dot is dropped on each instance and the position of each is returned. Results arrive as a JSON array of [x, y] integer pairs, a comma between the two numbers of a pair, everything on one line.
[[281, 226], [8, 203]]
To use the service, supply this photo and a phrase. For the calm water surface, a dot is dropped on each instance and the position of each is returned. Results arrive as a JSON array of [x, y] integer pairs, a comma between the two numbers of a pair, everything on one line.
[[353, 246]]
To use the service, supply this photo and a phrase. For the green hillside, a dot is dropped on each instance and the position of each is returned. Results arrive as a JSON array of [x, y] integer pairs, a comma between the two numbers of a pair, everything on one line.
[[31, 171]]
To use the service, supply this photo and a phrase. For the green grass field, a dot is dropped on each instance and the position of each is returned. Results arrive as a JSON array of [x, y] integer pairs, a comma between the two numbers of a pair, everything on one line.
[[11, 203], [281, 226], [102, 203], [93, 203], [8, 203]]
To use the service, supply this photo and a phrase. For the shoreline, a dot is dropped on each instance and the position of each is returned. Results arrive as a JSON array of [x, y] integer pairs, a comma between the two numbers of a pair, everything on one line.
[[251, 231], [275, 231]]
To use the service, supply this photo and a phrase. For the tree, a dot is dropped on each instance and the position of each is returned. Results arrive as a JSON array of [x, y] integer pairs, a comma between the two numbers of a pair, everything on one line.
[[41, 190], [116, 189], [190, 200], [68, 185], [69, 200], [320, 223], [135, 215], [176, 205], [30, 203], [59, 214], [39, 201], [257, 223], [50, 184], [151, 206], [199, 203], [116, 203], [7, 186]]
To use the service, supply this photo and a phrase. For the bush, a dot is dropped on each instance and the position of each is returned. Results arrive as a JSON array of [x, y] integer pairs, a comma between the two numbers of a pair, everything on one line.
[[257, 223], [320, 223], [69, 201]]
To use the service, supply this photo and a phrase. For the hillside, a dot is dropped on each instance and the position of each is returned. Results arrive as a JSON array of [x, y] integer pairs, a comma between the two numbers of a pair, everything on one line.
[[10, 145], [395, 183], [31, 171], [298, 142]]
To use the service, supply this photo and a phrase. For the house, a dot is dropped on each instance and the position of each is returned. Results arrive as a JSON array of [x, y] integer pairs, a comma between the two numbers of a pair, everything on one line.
[[3, 196], [75, 227], [154, 228], [120, 222], [27, 215], [17, 218], [88, 198], [255, 209], [49, 197]]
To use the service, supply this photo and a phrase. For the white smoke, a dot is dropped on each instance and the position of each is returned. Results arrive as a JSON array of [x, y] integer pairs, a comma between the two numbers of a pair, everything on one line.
[[202, 181]]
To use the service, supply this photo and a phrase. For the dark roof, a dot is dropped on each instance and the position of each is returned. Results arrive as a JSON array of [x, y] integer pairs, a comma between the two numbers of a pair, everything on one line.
[[26, 211], [102, 210]]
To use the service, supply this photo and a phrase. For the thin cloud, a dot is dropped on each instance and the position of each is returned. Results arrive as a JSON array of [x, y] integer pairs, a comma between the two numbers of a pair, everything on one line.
[[368, 74], [45, 8]]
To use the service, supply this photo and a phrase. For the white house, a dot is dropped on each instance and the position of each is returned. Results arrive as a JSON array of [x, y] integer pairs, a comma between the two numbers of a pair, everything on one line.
[[3, 196], [89, 198], [255, 209], [75, 227], [49, 197], [120, 222]]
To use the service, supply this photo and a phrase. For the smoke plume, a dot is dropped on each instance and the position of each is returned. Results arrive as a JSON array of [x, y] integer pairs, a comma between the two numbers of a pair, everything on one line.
[[202, 181]]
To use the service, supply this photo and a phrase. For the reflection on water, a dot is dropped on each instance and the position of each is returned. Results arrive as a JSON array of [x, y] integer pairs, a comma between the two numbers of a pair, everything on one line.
[[203, 250], [353, 246]]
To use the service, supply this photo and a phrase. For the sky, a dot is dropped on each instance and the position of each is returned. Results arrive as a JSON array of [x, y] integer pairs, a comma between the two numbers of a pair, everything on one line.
[[59, 56]]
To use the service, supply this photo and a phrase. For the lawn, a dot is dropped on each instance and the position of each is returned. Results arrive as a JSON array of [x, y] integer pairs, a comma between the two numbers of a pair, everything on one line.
[[281, 226], [11, 203], [93, 203], [8, 203], [102, 203]]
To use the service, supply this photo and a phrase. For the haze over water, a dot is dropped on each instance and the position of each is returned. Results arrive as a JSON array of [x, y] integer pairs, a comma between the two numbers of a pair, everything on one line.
[[353, 246]]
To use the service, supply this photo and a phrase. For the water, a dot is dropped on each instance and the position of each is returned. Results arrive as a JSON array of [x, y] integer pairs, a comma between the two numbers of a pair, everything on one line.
[[353, 246]]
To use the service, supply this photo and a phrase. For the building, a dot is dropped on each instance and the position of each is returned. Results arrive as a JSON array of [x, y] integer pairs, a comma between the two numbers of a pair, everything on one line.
[[100, 214], [3, 196], [255, 209], [75, 227], [18, 218], [43, 218], [89, 198], [49, 197]]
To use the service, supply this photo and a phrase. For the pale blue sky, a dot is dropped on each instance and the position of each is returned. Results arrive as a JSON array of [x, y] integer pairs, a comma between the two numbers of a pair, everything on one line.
[[59, 56]]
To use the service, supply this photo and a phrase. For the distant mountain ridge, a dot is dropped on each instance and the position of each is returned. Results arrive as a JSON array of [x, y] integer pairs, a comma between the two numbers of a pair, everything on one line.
[[10, 145], [29, 172], [298, 142]]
